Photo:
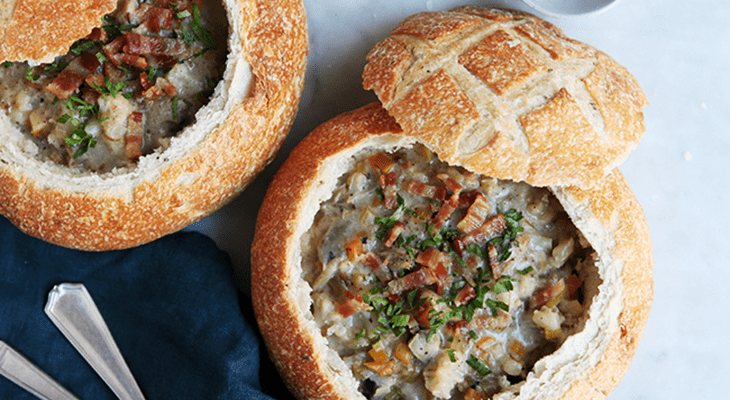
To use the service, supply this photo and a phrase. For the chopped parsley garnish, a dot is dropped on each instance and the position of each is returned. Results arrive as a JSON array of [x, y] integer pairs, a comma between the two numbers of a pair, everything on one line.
[[386, 223], [59, 66], [29, 75], [477, 250], [174, 107], [201, 34], [79, 137], [496, 304], [504, 284], [478, 365], [82, 46], [183, 14], [391, 317], [504, 243], [109, 88], [525, 271]]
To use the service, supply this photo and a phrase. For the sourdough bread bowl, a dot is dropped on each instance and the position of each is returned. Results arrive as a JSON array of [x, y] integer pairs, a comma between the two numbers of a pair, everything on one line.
[[410, 249], [129, 176]]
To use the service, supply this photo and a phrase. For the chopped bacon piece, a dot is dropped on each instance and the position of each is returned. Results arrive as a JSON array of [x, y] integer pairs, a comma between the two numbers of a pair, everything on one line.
[[153, 93], [160, 61], [95, 80], [550, 296], [89, 95], [422, 312], [388, 184], [115, 74], [421, 189], [97, 34], [71, 78], [166, 86], [447, 208], [431, 257], [133, 60], [376, 265], [133, 136], [465, 295], [494, 261], [161, 87], [155, 18], [113, 49], [493, 227], [475, 214], [144, 81], [500, 322], [436, 261], [450, 183], [467, 198], [395, 231], [420, 277], [159, 46], [353, 304]]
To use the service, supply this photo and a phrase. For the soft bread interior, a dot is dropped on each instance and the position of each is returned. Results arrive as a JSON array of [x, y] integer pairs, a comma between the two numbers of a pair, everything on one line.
[[21, 152]]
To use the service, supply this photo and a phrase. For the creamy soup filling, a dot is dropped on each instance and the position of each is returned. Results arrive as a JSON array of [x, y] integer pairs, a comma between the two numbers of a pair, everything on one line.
[[125, 89], [433, 282]]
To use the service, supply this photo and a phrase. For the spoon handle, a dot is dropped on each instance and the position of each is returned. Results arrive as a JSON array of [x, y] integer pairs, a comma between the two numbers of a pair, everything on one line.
[[74, 312], [26, 375]]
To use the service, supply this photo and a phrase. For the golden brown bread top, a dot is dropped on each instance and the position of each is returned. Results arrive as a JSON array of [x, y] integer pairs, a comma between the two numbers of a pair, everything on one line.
[[481, 85], [607, 213], [208, 165], [40, 30]]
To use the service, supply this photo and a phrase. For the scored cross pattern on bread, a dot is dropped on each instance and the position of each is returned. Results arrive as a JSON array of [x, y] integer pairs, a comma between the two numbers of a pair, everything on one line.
[[483, 84]]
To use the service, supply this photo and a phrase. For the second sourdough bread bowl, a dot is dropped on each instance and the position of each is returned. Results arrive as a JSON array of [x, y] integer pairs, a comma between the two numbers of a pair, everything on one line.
[[461, 240], [199, 168], [588, 364]]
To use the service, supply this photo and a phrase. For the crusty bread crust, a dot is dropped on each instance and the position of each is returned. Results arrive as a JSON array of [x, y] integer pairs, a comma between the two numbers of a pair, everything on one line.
[[589, 364], [40, 30], [207, 165], [496, 87]]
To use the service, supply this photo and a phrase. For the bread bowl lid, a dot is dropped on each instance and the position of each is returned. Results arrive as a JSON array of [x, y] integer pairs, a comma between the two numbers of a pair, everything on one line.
[[507, 94], [40, 30]]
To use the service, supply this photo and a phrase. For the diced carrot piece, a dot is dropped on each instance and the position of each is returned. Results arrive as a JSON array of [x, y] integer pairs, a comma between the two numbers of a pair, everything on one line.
[[378, 353], [354, 249], [403, 353], [381, 162]]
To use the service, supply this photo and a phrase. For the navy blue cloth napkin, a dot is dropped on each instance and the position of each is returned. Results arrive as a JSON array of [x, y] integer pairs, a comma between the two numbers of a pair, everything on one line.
[[171, 306]]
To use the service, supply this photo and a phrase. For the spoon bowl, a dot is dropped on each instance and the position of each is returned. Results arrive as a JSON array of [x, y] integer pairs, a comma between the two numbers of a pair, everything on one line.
[[570, 8]]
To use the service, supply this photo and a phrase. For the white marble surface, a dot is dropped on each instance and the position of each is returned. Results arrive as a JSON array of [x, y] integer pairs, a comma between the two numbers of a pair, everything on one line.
[[680, 53]]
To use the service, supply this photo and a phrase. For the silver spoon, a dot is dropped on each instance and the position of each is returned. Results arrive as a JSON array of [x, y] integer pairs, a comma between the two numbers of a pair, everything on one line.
[[25, 374], [74, 312]]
